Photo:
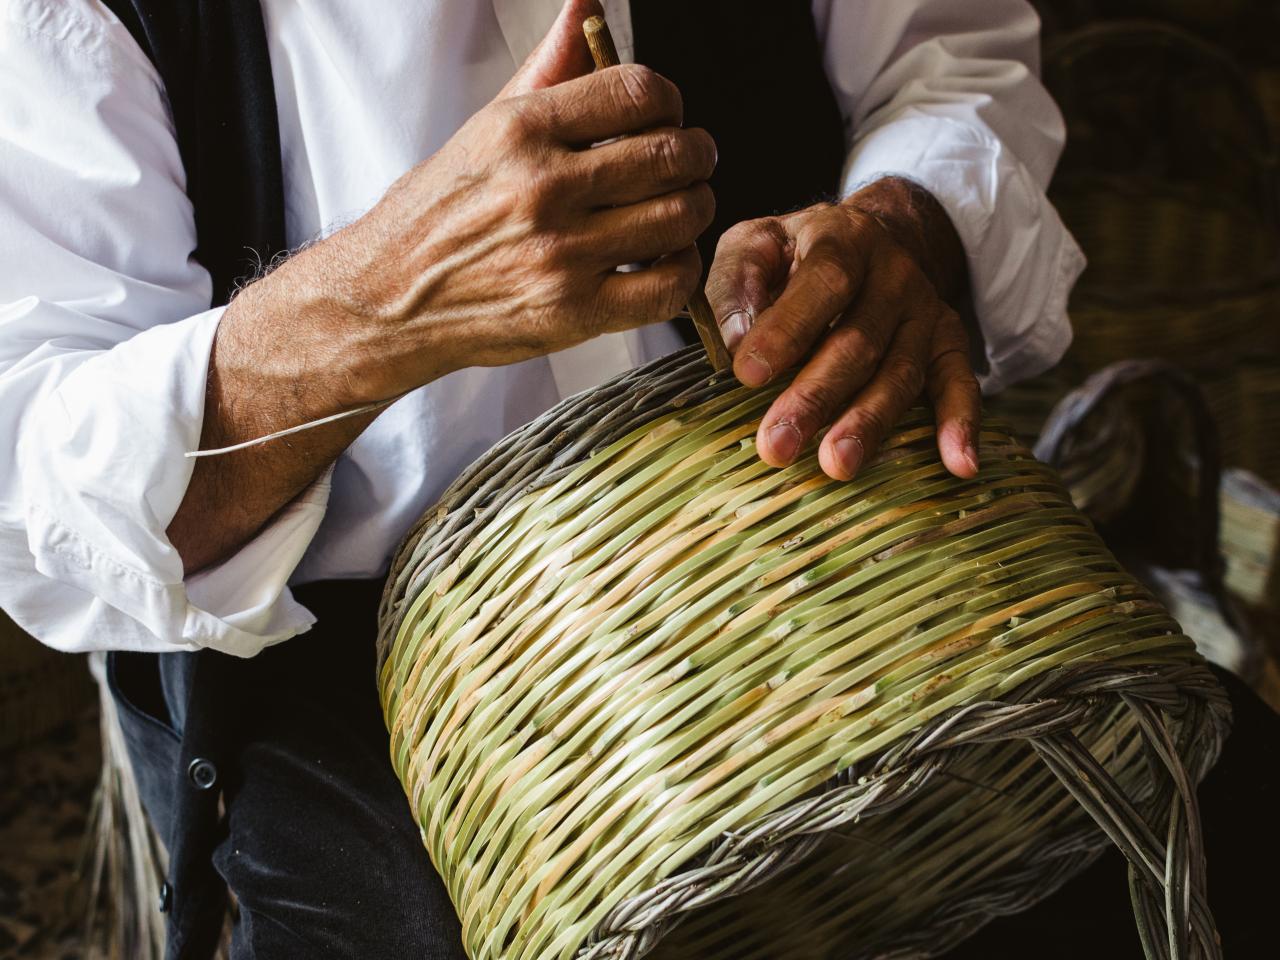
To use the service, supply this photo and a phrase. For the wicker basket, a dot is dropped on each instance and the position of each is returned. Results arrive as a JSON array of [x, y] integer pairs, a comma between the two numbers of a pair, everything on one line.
[[1171, 274], [1156, 238], [1169, 182], [1246, 404], [648, 696], [1251, 538], [1148, 101], [1176, 471]]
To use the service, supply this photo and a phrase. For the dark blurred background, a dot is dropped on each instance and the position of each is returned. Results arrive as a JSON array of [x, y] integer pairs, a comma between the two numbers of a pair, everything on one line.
[[1163, 416]]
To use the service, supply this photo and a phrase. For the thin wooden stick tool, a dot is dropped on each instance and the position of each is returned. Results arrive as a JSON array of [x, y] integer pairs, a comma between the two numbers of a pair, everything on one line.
[[605, 54]]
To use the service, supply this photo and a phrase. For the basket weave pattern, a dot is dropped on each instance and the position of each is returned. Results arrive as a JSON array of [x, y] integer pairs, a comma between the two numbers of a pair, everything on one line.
[[649, 696]]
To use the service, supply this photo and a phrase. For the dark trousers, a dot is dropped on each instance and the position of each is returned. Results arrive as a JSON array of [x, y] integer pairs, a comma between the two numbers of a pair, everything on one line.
[[315, 838]]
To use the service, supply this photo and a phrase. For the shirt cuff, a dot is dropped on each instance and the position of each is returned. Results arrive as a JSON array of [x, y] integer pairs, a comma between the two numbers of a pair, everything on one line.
[[1022, 260], [103, 472]]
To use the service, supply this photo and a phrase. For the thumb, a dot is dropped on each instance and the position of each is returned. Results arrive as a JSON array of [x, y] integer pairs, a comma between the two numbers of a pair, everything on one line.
[[562, 55], [751, 261]]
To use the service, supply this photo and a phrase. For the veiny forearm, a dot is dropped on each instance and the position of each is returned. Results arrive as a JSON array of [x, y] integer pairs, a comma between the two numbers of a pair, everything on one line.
[[503, 245], [277, 361]]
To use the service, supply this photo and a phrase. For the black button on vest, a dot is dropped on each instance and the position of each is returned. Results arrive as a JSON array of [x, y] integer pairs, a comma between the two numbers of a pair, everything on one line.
[[202, 774]]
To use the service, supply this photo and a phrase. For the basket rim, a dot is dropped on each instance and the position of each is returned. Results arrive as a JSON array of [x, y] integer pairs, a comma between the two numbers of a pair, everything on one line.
[[1042, 712]]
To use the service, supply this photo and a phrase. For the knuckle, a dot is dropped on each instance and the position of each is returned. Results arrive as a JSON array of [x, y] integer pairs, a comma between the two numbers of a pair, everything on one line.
[[866, 343], [857, 348], [950, 336], [830, 271], [544, 266], [555, 256], [904, 376], [541, 196], [680, 156], [684, 214], [870, 421], [860, 222], [952, 367], [592, 176], [865, 234], [665, 156], [874, 424], [742, 235], [949, 330], [703, 200], [810, 406], [705, 150], [949, 319], [675, 211], [640, 87], [743, 230], [680, 206], [516, 120], [783, 343], [541, 180]]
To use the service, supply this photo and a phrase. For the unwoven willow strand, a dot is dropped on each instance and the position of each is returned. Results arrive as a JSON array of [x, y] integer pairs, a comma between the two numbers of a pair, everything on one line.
[[568, 525]]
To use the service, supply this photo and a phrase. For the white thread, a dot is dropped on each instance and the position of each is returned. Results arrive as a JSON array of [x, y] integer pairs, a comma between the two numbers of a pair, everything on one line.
[[191, 454]]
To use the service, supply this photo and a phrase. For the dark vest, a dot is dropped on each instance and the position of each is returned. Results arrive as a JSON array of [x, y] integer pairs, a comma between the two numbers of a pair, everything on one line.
[[751, 74]]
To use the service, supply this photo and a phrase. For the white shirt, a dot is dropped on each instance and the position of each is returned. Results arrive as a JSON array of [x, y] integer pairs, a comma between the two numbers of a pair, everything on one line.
[[105, 330]]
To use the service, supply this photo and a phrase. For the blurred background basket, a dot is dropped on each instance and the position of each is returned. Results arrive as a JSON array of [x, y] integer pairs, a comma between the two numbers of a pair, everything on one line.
[[1166, 519], [1169, 183], [1251, 539]]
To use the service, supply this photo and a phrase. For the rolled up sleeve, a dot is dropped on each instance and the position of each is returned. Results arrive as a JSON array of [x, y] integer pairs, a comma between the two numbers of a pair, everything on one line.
[[947, 95], [105, 338]]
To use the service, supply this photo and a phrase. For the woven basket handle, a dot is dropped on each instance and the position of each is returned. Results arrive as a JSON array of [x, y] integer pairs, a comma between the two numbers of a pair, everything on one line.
[[605, 54]]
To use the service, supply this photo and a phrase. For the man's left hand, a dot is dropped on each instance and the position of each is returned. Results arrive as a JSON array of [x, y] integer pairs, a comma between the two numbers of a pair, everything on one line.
[[856, 295]]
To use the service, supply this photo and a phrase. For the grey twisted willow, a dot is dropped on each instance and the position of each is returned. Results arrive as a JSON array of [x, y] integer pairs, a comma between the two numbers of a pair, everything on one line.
[[650, 697]]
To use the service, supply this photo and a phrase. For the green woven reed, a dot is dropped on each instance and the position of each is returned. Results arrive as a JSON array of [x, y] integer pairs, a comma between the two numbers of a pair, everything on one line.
[[648, 696]]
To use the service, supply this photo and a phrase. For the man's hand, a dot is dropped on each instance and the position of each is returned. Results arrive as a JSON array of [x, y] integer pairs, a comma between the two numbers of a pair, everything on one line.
[[857, 295], [501, 246], [504, 245]]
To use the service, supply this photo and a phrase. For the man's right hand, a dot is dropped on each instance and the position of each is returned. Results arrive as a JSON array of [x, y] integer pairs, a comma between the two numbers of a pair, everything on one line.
[[505, 244]]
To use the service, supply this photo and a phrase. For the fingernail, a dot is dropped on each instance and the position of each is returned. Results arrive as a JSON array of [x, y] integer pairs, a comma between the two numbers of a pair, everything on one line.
[[784, 438], [971, 445], [849, 451], [756, 370], [735, 327]]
